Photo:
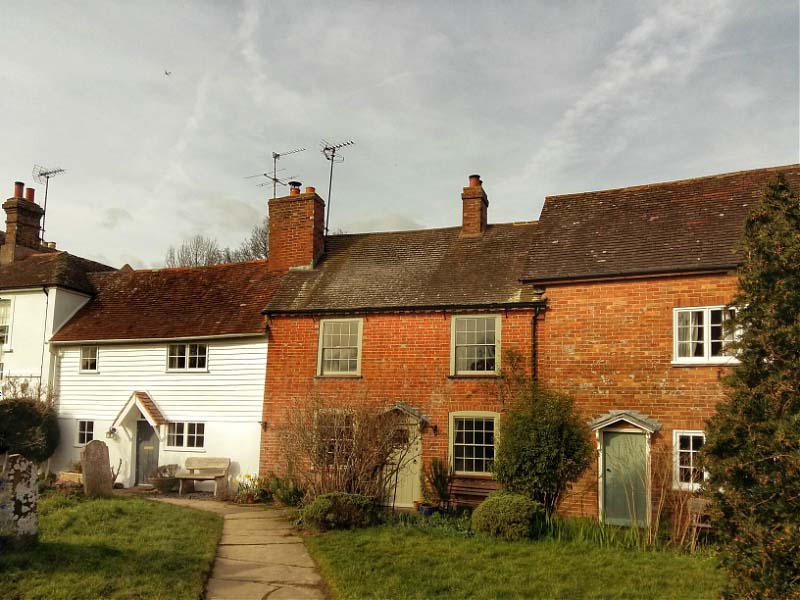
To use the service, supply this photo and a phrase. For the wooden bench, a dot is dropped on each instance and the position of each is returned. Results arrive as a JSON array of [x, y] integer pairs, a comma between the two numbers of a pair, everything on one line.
[[471, 491], [205, 469]]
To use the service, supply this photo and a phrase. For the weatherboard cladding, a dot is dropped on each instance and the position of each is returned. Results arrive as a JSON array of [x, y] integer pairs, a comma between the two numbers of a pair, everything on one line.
[[59, 269], [403, 270], [678, 226], [175, 303]]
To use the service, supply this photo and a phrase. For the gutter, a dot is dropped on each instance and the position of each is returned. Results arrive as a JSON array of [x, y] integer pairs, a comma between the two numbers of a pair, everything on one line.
[[187, 338], [393, 309]]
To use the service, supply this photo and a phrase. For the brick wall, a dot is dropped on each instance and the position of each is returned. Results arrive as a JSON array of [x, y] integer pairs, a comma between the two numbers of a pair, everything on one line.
[[610, 346], [405, 358], [296, 231]]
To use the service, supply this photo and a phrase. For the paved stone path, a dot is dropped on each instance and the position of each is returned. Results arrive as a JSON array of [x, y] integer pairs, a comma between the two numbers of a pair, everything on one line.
[[259, 556]]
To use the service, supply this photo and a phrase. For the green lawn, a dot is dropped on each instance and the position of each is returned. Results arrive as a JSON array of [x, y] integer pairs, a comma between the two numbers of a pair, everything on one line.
[[118, 548], [394, 562]]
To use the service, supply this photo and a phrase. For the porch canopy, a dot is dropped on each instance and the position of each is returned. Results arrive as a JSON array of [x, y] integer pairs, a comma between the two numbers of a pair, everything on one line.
[[632, 417], [147, 407]]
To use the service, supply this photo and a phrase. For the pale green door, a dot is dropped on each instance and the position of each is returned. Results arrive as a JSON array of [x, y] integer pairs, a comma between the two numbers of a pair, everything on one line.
[[624, 478], [404, 487]]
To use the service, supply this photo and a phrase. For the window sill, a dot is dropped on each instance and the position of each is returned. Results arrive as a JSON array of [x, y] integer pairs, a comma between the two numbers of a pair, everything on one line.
[[475, 376], [183, 449], [710, 363], [186, 371], [478, 476], [89, 372], [338, 376]]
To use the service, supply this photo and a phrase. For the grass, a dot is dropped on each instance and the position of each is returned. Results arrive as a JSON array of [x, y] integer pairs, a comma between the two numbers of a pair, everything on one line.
[[397, 562], [120, 548]]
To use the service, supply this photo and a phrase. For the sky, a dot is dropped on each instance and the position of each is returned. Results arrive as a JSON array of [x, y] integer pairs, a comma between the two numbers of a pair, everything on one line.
[[539, 98]]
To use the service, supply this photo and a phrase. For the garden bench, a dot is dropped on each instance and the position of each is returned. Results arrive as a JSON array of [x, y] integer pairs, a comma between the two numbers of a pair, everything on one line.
[[471, 491], [205, 469]]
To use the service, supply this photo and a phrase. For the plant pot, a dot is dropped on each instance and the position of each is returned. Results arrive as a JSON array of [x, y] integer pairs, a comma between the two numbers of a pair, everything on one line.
[[164, 484], [428, 509]]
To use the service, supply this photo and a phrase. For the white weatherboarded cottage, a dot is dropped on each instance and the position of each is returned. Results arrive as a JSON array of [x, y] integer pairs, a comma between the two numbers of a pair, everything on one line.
[[164, 365]]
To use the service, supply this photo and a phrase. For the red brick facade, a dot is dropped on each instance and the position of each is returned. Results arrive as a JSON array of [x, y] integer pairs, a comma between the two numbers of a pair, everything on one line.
[[405, 358], [610, 346]]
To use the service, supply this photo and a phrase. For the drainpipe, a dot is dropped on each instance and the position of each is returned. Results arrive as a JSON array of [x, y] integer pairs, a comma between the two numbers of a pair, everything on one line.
[[534, 320]]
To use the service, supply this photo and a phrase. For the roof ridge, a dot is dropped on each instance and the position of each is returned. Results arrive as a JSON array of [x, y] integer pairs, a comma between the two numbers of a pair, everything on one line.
[[427, 229], [198, 267], [657, 184]]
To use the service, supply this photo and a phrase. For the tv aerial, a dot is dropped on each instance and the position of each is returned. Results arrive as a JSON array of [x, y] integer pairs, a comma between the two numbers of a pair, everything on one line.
[[43, 175], [274, 177], [331, 152]]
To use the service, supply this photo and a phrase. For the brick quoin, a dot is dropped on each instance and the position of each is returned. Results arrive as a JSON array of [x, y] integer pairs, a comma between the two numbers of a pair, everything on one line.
[[610, 346]]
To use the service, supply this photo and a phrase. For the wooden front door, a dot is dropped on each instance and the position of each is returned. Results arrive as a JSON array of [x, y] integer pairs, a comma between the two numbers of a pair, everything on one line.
[[624, 478], [146, 451], [405, 486]]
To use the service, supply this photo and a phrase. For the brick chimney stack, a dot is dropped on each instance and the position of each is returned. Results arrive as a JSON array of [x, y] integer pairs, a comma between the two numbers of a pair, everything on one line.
[[475, 208], [23, 225], [296, 229]]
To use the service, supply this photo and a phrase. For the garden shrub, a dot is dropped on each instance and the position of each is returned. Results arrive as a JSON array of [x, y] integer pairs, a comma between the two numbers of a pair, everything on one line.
[[28, 427], [508, 515], [542, 447], [285, 490], [339, 510]]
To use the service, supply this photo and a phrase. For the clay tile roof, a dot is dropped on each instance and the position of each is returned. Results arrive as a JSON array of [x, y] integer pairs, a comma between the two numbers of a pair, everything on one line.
[[174, 303], [146, 406], [678, 226], [150, 406], [51, 269], [430, 268]]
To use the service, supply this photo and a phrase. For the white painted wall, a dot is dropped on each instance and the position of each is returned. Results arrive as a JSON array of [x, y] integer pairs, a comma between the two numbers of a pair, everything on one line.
[[35, 317], [228, 398]]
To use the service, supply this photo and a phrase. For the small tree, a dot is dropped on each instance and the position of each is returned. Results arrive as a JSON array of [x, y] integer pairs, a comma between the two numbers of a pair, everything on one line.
[[752, 450], [28, 421], [543, 446], [197, 251]]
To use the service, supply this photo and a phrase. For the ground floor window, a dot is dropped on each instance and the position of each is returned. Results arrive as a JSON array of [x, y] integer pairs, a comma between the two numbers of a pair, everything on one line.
[[85, 432], [687, 473], [472, 442], [186, 435]]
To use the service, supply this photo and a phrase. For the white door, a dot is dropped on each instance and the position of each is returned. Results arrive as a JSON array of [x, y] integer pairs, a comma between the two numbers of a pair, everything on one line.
[[405, 485]]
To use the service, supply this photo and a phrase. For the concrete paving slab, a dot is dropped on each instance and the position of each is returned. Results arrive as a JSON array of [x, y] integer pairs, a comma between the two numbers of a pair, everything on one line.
[[241, 570], [222, 589], [291, 592], [257, 538], [294, 555]]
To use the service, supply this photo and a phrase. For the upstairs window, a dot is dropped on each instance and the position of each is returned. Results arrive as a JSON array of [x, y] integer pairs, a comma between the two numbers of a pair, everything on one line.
[[687, 474], [475, 345], [187, 357], [186, 435], [340, 347], [85, 432], [703, 335], [89, 358], [5, 321]]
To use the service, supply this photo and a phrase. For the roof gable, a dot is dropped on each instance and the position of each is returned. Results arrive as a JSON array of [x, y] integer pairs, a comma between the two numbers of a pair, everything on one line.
[[219, 300], [678, 226]]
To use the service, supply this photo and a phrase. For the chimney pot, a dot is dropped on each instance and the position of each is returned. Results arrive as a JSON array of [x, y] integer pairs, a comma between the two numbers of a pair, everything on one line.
[[29, 194], [18, 188], [294, 188], [475, 181], [310, 189]]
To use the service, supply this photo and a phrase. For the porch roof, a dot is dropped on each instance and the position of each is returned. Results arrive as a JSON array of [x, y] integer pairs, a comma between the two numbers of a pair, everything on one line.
[[146, 406], [633, 417]]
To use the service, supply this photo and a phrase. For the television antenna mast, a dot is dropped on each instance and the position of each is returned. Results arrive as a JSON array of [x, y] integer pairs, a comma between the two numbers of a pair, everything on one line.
[[275, 170], [331, 153], [43, 175]]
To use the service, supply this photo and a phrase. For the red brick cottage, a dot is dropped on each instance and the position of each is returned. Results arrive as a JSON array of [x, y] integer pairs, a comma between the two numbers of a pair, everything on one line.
[[414, 319], [616, 297]]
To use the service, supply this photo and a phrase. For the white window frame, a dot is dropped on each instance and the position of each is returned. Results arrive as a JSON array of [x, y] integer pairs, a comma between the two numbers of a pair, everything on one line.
[[497, 345], [706, 359], [469, 414], [78, 442], [96, 359], [357, 372], [7, 345], [186, 346], [676, 479], [184, 447]]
